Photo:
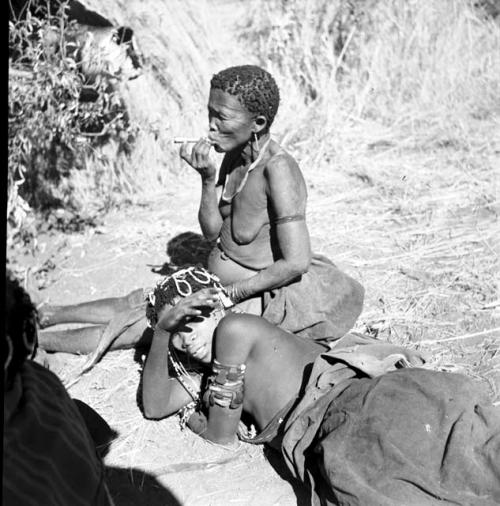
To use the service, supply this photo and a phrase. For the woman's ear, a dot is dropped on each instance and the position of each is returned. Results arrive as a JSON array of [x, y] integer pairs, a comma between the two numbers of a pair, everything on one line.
[[260, 123]]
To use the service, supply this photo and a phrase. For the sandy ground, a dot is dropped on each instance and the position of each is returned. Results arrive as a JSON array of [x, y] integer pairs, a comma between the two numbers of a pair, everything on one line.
[[429, 275], [151, 462], [154, 462]]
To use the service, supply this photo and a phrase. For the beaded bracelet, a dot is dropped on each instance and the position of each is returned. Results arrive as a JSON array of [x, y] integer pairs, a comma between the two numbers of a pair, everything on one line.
[[233, 294]]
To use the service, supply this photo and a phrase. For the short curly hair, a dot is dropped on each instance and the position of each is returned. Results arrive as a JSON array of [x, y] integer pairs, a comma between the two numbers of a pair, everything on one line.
[[253, 86]]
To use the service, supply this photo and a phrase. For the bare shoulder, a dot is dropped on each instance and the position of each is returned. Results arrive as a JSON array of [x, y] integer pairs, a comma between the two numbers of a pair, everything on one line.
[[237, 335], [282, 165], [286, 186]]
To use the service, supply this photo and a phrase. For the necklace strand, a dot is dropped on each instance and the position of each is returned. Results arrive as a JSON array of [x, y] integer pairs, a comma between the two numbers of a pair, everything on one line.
[[184, 377]]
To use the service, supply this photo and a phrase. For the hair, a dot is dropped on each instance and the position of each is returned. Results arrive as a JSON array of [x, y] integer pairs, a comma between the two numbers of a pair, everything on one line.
[[20, 336], [181, 283], [254, 87]]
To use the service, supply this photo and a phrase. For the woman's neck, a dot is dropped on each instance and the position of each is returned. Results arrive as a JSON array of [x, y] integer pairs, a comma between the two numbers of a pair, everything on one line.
[[251, 151]]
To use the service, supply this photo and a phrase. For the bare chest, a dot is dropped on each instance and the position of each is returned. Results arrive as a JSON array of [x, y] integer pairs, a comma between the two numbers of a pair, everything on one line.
[[249, 206]]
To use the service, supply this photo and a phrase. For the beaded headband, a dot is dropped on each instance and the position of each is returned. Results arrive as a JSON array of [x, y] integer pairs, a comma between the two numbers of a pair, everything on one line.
[[182, 279]]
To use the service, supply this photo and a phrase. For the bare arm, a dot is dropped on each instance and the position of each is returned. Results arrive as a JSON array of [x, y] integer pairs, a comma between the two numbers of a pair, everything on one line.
[[287, 193], [162, 395], [233, 344], [209, 215]]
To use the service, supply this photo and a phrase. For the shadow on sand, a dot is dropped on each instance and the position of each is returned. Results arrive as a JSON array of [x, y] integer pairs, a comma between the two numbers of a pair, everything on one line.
[[130, 487], [127, 486], [188, 248], [300, 490]]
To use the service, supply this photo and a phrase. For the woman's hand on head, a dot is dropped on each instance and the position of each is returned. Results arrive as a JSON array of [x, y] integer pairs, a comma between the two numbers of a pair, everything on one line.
[[170, 317], [198, 158]]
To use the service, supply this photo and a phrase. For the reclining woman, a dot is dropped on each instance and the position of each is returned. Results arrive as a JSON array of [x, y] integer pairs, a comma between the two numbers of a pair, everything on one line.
[[255, 210], [351, 421]]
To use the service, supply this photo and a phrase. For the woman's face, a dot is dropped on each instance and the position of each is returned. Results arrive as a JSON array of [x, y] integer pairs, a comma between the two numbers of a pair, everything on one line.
[[230, 123], [195, 337]]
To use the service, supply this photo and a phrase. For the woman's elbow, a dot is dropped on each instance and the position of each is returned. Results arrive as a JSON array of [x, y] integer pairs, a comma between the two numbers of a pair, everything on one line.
[[154, 413], [150, 414], [211, 236], [299, 266], [210, 228], [153, 409], [304, 265], [149, 409]]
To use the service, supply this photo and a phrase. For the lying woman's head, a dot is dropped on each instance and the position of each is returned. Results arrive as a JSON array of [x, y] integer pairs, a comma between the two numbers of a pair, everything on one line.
[[254, 87], [195, 334], [183, 283]]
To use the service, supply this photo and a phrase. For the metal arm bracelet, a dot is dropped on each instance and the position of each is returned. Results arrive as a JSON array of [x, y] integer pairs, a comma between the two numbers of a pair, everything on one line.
[[226, 386]]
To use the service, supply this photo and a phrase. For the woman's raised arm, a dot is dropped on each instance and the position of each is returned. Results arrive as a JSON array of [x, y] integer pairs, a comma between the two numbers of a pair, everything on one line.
[[162, 395], [209, 215]]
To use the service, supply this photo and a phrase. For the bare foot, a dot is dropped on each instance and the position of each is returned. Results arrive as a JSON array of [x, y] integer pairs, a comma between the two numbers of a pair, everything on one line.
[[45, 315], [31, 286]]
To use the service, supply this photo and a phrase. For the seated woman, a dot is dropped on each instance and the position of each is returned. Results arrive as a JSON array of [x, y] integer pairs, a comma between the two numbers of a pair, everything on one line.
[[353, 421], [255, 210]]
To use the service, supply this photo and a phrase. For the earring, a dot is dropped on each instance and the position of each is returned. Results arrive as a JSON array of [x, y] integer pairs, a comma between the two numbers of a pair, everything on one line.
[[256, 139]]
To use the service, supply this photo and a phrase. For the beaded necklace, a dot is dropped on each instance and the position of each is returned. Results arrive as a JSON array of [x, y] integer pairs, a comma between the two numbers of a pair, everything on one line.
[[183, 376], [225, 192]]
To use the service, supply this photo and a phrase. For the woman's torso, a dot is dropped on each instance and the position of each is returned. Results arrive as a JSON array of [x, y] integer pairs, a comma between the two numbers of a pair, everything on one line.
[[277, 370], [247, 237]]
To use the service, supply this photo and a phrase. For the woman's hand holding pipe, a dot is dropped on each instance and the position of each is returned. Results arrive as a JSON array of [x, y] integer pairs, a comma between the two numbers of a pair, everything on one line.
[[198, 158]]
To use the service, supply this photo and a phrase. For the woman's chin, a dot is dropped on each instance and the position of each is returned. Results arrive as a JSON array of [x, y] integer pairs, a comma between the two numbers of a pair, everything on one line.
[[205, 359]]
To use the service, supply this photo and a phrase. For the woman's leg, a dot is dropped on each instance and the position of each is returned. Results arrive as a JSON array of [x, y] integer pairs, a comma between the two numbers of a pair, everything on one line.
[[82, 340], [95, 311], [85, 339]]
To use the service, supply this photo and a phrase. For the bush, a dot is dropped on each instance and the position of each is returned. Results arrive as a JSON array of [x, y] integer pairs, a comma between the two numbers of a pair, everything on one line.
[[52, 131]]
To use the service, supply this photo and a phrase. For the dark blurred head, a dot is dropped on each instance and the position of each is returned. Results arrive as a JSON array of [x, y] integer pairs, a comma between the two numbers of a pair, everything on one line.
[[20, 337]]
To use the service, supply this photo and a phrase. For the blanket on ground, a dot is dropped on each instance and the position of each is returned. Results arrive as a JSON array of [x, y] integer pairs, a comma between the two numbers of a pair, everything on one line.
[[368, 433]]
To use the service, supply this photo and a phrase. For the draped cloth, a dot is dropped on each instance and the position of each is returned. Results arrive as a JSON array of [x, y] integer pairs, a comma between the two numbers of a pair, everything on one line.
[[323, 304], [369, 433], [49, 456]]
